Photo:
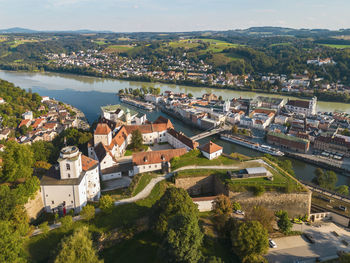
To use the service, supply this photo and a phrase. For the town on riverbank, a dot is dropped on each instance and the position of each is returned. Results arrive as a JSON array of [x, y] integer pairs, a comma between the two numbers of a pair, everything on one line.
[[114, 176]]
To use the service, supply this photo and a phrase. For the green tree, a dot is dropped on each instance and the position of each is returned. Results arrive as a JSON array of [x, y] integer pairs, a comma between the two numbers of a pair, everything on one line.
[[42, 150], [106, 203], [44, 227], [17, 162], [343, 190], [258, 190], [77, 248], [66, 223], [222, 205], [265, 216], [183, 240], [249, 238], [213, 259], [254, 259], [284, 224], [190, 95], [174, 201], [10, 243], [136, 139], [88, 212], [326, 179], [236, 206]]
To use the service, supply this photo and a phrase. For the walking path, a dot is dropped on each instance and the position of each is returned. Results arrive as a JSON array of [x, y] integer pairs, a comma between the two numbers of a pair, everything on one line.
[[148, 189]]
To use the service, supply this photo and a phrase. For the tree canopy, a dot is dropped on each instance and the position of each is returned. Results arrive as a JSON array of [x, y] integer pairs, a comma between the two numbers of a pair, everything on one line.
[[77, 248], [174, 201], [183, 240]]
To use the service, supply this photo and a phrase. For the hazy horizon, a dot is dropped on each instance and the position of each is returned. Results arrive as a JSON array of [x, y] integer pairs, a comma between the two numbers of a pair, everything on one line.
[[172, 16]]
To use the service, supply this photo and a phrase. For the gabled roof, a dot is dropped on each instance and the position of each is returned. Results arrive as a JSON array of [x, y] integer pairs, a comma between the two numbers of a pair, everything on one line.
[[120, 137], [210, 147], [153, 157], [183, 138], [88, 163], [299, 103], [102, 129]]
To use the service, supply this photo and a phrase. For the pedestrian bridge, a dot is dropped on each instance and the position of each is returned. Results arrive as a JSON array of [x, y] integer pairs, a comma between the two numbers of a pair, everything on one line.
[[208, 133]]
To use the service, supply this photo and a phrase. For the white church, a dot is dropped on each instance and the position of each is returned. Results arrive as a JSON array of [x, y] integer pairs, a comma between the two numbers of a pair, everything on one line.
[[72, 183]]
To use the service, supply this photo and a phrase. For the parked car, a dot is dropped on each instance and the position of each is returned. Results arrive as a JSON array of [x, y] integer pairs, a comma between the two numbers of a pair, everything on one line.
[[272, 243], [309, 237]]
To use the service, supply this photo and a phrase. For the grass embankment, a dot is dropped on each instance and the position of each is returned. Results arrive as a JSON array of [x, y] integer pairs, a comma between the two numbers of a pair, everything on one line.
[[43, 248], [138, 183], [195, 157]]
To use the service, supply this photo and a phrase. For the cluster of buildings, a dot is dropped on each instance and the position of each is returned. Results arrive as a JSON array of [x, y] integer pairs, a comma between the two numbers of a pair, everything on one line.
[[302, 83], [76, 178], [293, 125], [54, 119]]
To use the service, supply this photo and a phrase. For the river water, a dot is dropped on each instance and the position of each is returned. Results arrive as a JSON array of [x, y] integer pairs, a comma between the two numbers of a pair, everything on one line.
[[90, 93]]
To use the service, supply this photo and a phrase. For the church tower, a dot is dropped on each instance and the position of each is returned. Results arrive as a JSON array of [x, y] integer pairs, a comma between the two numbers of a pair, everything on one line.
[[70, 162], [102, 134]]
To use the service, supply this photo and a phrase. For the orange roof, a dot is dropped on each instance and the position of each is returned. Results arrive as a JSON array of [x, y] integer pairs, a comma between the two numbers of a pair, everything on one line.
[[120, 137], [37, 123], [102, 129], [23, 123], [144, 158], [210, 147], [87, 163], [149, 128], [50, 125]]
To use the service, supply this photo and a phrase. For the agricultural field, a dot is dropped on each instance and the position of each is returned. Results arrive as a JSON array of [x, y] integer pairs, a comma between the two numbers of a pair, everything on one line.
[[336, 46], [117, 48], [281, 44], [16, 43], [216, 46]]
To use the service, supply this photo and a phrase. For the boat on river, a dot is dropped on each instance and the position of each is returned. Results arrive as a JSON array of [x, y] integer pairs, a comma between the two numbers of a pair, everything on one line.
[[252, 145]]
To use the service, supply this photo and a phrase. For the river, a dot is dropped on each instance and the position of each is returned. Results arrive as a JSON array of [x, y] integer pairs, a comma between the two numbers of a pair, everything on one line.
[[90, 93]]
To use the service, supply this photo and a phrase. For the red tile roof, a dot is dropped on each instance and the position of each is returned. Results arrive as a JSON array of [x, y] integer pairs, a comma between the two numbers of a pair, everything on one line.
[[88, 163], [299, 103], [210, 147], [144, 158], [183, 138], [24, 123], [102, 129]]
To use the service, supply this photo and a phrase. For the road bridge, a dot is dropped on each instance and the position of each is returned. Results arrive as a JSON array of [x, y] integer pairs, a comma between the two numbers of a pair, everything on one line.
[[208, 133]]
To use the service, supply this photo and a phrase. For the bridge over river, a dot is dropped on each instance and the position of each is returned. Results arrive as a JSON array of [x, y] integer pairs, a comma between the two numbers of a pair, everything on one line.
[[209, 133]]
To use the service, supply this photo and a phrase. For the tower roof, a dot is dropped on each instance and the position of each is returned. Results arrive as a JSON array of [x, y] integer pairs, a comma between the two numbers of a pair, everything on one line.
[[210, 147], [102, 129]]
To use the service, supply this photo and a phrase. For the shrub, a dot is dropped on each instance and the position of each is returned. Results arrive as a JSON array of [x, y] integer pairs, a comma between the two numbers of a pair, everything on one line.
[[258, 190], [106, 203]]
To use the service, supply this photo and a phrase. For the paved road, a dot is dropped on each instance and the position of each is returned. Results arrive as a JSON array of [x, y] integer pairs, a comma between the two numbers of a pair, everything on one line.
[[290, 249]]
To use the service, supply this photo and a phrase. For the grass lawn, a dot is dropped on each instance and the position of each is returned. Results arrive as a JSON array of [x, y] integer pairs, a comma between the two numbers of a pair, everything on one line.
[[195, 157], [42, 248], [117, 48], [142, 183], [128, 153], [281, 44], [336, 46]]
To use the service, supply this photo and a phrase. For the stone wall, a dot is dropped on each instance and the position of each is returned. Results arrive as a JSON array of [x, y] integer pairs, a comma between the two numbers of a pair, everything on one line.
[[34, 206], [201, 185], [295, 204]]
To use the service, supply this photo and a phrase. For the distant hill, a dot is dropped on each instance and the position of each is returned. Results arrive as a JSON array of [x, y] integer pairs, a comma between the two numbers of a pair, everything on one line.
[[17, 30], [20, 30]]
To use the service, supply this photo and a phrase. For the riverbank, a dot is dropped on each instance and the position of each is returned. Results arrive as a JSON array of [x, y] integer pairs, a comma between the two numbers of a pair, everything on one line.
[[188, 84]]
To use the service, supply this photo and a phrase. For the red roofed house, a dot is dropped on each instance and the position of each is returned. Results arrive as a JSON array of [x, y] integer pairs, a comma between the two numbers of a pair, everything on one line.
[[72, 183], [211, 150], [25, 123], [155, 160], [2, 101]]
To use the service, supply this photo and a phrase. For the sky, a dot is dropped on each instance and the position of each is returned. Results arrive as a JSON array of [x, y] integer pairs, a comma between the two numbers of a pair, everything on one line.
[[172, 15]]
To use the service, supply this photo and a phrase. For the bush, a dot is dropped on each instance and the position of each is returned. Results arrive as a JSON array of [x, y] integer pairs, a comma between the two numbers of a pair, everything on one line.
[[222, 205], [258, 190], [44, 227], [106, 203], [88, 212], [66, 223]]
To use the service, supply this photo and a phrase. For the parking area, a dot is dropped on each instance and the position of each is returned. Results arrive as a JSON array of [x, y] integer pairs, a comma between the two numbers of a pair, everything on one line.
[[329, 238]]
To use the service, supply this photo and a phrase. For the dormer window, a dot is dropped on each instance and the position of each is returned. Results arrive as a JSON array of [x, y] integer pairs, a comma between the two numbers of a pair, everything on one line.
[[145, 159], [68, 166], [163, 157]]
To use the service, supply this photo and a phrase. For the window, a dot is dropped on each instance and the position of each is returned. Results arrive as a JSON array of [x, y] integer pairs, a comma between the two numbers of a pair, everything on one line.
[[68, 175], [71, 202], [52, 202], [150, 166], [68, 166], [46, 195]]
